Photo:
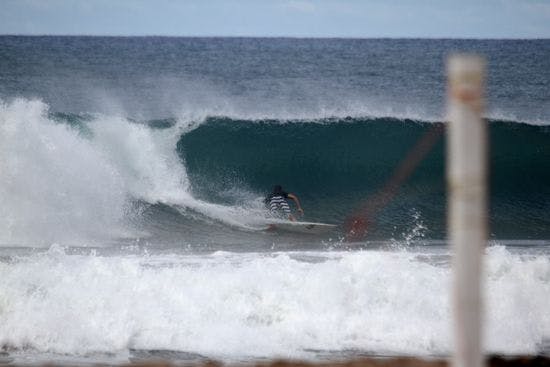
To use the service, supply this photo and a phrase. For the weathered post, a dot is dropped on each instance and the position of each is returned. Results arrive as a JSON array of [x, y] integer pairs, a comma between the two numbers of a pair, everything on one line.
[[467, 210]]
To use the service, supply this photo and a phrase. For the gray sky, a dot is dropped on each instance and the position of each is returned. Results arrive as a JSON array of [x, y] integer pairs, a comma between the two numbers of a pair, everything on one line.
[[295, 18]]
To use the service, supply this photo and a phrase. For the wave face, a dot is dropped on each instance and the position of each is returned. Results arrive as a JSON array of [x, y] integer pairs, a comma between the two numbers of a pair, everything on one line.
[[335, 165]]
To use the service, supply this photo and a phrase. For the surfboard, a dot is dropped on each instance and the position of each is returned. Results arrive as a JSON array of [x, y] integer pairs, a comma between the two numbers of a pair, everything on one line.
[[302, 227]]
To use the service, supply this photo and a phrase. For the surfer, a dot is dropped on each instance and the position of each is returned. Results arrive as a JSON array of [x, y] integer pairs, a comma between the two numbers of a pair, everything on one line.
[[278, 205]]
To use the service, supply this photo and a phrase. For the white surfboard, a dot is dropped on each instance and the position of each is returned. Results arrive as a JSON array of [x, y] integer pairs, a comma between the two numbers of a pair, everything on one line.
[[302, 227]]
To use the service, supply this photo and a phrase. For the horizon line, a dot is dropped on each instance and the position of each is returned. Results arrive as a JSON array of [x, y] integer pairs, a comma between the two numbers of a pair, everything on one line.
[[277, 37]]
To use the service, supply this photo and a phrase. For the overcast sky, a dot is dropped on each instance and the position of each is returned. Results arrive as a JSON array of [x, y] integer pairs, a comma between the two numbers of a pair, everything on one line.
[[295, 18]]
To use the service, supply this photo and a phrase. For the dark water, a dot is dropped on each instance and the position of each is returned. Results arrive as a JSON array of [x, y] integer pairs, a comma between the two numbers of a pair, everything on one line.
[[338, 164], [267, 77]]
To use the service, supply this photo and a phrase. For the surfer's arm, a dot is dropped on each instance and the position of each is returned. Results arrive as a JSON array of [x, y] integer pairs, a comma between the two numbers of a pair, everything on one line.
[[295, 198]]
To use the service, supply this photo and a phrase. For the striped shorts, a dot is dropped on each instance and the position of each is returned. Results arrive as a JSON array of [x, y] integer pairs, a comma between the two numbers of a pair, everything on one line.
[[279, 206]]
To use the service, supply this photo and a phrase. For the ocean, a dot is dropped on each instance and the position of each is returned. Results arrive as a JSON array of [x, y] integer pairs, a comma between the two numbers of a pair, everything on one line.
[[133, 177]]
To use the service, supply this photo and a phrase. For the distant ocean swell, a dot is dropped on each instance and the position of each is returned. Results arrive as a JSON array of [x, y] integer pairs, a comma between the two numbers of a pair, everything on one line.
[[67, 174]]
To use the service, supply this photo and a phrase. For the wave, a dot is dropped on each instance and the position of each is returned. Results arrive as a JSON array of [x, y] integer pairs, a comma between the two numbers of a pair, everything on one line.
[[77, 178]]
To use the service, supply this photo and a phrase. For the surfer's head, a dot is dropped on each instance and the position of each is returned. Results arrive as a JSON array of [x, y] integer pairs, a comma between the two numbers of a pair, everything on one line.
[[277, 189]]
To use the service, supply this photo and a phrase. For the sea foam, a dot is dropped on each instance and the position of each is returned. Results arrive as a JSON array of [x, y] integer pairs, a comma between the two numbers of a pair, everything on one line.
[[272, 304], [60, 184]]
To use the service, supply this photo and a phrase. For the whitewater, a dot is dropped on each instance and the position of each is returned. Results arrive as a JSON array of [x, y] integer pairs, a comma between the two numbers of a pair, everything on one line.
[[133, 173], [226, 305]]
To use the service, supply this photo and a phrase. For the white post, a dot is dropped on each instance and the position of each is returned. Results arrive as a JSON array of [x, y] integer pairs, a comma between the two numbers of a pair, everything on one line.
[[467, 210]]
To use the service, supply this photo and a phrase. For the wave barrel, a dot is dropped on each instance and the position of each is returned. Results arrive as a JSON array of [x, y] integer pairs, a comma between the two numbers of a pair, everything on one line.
[[467, 209]]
